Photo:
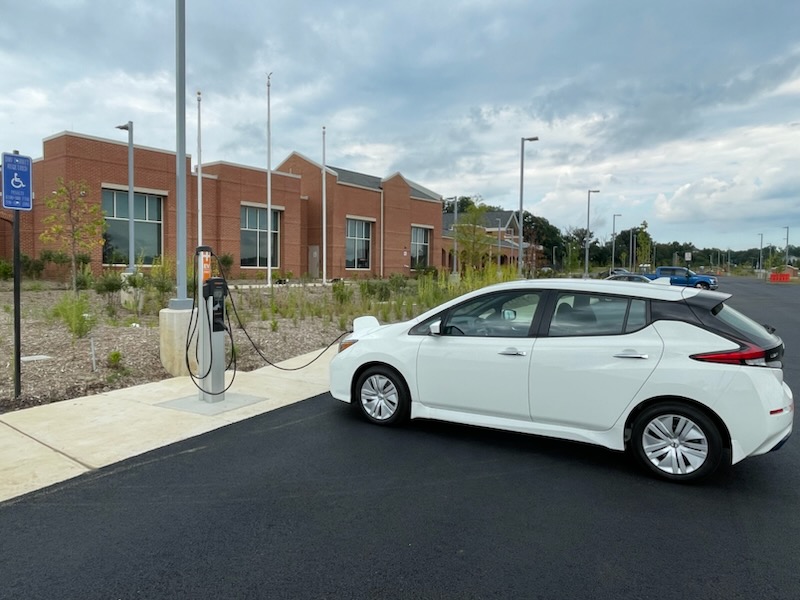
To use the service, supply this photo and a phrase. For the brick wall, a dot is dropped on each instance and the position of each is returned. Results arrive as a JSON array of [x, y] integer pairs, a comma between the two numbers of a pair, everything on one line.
[[296, 187]]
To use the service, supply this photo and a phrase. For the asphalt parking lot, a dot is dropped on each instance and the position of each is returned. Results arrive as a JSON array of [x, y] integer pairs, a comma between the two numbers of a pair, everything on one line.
[[309, 501]]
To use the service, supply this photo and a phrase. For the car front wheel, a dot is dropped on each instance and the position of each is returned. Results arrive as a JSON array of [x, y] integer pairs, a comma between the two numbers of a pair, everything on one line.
[[702, 285], [382, 397], [676, 442]]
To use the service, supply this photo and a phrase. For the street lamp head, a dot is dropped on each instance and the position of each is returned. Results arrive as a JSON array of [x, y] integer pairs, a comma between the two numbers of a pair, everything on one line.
[[594, 191], [124, 127], [530, 139]]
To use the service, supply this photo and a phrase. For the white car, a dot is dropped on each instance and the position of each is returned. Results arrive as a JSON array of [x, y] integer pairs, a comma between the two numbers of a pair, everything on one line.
[[673, 374]]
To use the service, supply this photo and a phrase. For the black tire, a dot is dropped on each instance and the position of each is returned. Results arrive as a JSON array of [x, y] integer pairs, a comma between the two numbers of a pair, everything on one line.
[[382, 397], [702, 285], [676, 442]]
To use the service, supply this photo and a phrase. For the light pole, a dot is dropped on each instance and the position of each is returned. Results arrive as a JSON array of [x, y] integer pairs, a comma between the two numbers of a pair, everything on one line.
[[131, 250], [760, 254], [521, 180], [586, 243], [455, 237], [614, 238], [787, 246], [199, 177], [269, 185], [498, 245]]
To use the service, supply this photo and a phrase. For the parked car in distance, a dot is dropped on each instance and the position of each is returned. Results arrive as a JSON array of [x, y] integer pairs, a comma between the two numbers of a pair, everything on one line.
[[673, 375], [614, 271], [630, 277], [684, 277]]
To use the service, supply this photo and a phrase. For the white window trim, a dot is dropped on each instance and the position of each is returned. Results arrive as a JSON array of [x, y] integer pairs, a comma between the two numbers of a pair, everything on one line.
[[278, 232], [139, 190], [261, 205], [429, 244], [368, 220], [117, 188]]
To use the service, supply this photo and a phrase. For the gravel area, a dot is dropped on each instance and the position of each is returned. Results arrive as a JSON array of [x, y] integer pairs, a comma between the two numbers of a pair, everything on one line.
[[55, 366]]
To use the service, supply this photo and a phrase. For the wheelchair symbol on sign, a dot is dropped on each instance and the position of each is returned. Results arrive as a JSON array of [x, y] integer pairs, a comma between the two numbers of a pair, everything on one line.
[[16, 182]]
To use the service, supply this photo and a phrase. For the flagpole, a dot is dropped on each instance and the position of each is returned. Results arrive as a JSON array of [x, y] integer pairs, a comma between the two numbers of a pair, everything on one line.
[[324, 216], [269, 185]]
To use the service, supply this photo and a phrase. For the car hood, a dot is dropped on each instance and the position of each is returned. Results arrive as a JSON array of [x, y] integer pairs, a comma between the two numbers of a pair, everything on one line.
[[369, 326]]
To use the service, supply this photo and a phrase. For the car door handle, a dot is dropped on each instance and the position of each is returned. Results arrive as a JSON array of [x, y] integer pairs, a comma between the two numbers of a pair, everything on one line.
[[630, 355], [512, 352]]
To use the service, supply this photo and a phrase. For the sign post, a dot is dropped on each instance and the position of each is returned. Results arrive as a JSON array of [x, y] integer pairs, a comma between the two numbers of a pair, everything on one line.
[[17, 196]]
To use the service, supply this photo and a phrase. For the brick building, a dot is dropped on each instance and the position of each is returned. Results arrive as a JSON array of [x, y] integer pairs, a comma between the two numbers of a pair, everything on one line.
[[374, 227]]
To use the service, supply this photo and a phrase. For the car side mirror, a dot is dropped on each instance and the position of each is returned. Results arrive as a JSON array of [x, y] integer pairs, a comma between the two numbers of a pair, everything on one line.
[[435, 328], [509, 314]]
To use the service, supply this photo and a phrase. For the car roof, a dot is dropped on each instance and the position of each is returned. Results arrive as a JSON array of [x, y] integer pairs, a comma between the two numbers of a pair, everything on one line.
[[603, 286], [633, 289]]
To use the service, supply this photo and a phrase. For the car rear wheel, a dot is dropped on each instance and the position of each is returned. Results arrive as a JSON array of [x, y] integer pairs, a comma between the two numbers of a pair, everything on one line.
[[382, 397], [676, 442]]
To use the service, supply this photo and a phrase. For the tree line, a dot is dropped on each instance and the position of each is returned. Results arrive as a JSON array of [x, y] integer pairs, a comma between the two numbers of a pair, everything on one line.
[[563, 250]]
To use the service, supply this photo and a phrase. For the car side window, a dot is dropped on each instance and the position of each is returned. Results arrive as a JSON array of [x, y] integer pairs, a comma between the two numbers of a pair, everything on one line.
[[506, 314], [594, 314], [637, 316]]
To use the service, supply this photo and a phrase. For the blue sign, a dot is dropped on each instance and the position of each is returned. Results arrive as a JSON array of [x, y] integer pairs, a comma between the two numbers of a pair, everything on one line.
[[17, 176]]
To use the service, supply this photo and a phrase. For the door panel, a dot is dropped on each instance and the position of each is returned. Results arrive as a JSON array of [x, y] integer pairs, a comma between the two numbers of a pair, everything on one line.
[[588, 381], [482, 375]]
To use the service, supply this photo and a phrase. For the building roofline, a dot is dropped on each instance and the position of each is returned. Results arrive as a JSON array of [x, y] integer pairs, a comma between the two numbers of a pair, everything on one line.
[[249, 168], [305, 158], [94, 138]]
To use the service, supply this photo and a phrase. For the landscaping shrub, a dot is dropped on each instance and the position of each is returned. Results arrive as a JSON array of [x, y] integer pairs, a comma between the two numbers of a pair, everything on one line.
[[74, 312], [6, 270]]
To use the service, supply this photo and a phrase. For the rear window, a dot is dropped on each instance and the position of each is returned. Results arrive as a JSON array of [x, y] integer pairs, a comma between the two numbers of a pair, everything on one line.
[[595, 314], [748, 328]]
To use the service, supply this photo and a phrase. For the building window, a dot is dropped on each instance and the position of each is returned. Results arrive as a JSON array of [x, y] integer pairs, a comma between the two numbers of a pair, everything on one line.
[[253, 237], [146, 227], [359, 234], [420, 247]]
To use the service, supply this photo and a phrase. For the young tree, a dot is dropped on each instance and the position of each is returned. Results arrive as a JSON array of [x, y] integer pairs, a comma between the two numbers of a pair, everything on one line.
[[473, 243], [75, 224], [574, 241], [643, 246]]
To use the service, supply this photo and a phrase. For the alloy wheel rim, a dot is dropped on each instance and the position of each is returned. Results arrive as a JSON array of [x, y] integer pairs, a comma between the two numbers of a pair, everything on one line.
[[379, 397], [675, 444]]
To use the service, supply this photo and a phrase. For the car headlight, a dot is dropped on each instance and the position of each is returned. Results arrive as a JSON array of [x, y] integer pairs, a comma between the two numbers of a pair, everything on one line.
[[346, 343]]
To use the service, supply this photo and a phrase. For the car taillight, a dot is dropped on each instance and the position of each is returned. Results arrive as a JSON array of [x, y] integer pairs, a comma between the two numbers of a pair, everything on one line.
[[746, 354]]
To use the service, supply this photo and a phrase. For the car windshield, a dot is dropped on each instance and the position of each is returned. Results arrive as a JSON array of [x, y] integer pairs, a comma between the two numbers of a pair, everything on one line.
[[745, 325]]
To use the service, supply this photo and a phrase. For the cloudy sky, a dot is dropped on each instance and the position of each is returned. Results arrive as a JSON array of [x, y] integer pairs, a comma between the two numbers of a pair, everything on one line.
[[684, 114]]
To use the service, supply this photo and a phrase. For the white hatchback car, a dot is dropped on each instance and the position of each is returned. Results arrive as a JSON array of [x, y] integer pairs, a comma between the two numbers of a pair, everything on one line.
[[673, 374]]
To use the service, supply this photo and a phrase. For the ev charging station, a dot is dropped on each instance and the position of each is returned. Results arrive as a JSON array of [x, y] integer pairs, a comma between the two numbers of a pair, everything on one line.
[[211, 337]]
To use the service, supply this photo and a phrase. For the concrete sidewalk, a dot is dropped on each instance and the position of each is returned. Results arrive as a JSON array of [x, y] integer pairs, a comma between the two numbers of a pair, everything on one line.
[[48, 444]]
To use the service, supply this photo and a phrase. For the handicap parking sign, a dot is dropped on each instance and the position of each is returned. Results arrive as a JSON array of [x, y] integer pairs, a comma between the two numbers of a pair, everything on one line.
[[17, 192]]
